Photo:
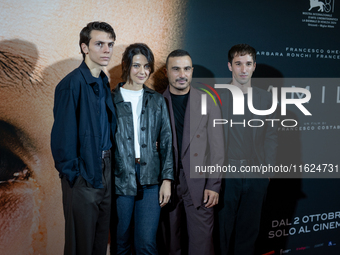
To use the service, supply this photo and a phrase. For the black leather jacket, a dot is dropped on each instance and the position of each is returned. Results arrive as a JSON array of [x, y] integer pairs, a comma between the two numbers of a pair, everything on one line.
[[155, 164]]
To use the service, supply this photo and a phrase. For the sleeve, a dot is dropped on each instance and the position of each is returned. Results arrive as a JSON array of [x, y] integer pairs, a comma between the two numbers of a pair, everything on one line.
[[64, 136], [167, 170], [216, 148]]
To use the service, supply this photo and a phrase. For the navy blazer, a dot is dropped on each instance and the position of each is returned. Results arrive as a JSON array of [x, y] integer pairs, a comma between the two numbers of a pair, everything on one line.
[[76, 134]]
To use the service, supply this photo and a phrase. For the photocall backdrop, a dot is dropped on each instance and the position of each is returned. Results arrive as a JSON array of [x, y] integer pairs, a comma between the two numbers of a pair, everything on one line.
[[39, 46], [297, 44]]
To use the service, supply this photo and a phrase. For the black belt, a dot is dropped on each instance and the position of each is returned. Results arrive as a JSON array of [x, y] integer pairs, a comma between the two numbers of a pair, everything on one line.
[[137, 160], [106, 154]]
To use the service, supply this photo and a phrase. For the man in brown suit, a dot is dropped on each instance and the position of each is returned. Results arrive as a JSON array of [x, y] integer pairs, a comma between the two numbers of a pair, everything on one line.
[[196, 143]]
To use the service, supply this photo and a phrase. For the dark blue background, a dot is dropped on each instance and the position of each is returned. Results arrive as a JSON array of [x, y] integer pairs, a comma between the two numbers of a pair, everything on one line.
[[211, 29]]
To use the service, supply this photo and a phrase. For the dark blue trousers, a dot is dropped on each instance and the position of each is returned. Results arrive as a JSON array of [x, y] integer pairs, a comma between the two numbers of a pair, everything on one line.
[[142, 212]]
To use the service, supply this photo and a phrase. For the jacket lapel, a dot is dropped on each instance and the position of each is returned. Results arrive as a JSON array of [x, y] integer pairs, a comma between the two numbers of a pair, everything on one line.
[[108, 99], [167, 97], [191, 122]]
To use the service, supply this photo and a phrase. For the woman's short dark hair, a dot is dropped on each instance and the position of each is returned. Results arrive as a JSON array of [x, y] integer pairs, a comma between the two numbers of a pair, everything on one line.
[[85, 33], [132, 50]]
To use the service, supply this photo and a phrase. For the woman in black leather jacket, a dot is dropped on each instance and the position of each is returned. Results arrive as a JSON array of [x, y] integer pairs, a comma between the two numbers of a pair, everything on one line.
[[143, 171]]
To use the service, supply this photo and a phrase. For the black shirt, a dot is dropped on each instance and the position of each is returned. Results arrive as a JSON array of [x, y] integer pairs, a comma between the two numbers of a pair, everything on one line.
[[104, 123], [179, 105], [241, 135]]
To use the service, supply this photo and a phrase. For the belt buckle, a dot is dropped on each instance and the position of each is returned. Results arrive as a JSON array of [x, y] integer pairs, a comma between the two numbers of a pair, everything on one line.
[[104, 153]]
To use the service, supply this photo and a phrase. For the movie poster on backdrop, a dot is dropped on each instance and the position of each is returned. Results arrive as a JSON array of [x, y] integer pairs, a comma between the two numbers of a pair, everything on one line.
[[297, 46], [298, 52], [39, 45]]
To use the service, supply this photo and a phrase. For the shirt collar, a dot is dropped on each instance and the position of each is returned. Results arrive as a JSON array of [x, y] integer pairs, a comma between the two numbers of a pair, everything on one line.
[[88, 76]]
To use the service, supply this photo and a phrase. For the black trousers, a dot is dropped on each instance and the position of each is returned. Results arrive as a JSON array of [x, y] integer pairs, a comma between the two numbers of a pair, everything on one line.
[[239, 214], [87, 214]]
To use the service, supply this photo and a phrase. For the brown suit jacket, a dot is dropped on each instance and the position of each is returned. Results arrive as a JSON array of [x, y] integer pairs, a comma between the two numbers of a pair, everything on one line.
[[202, 144]]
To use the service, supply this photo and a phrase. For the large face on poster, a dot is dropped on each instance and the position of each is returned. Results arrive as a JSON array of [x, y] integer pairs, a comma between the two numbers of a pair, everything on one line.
[[29, 189], [38, 47]]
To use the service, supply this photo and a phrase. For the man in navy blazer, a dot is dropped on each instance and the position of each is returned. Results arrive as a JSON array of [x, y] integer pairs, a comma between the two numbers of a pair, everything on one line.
[[243, 194], [196, 143], [81, 140]]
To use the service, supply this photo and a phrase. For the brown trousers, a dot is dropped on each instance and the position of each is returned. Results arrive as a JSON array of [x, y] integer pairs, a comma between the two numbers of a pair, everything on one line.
[[186, 229]]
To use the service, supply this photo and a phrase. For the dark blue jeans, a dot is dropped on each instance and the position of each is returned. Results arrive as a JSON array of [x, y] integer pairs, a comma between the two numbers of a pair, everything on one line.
[[143, 212]]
